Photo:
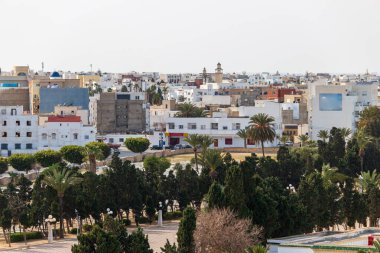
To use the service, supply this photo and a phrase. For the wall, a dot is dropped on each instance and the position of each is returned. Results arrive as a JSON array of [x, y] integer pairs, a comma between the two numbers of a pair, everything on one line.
[[51, 97], [14, 97]]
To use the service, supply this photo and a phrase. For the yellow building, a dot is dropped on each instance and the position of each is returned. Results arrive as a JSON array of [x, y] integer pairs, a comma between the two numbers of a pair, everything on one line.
[[88, 80], [20, 70]]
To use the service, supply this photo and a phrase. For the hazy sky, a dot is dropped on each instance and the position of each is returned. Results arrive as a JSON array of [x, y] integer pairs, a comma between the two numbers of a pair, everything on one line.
[[184, 36]]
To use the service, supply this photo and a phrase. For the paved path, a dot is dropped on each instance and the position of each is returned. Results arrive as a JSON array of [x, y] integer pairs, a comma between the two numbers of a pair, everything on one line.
[[157, 238]]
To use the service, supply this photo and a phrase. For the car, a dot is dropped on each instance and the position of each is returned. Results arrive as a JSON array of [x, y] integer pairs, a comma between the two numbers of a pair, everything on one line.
[[280, 145], [289, 143], [178, 146], [155, 147], [116, 151], [187, 146]]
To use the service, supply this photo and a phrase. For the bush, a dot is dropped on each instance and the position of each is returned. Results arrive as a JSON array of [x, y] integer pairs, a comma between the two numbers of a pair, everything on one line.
[[137, 145], [47, 157], [143, 220], [3, 165], [126, 222], [21, 162], [73, 153], [86, 227], [73, 231], [19, 237], [106, 151], [173, 215]]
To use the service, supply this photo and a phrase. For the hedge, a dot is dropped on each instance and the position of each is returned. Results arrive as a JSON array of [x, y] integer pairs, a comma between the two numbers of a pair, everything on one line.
[[3, 164], [73, 231], [19, 237]]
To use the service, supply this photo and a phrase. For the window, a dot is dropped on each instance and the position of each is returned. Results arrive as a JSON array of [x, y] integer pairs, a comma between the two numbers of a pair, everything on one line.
[[75, 136], [86, 137], [4, 123], [225, 127], [228, 141], [44, 136], [28, 134], [191, 126], [18, 134], [29, 146], [180, 126], [28, 123], [203, 127], [17, 122], [17, 145], [121, 139], [110, 140], [250, 142], [4, 146], [171, 125], [364, 93], [4, 134], [3, 111], [54, 136], [214, 126], [13, 112], [235, 126]]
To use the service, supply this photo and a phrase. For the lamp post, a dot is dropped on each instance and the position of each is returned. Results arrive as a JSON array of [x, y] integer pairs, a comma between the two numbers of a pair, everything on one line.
[[50, 220], [109, 211], [78, 221], [160, 214]]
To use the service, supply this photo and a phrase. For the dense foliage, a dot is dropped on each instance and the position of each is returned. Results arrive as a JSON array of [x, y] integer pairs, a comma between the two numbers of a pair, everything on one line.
[[21, 162], [48, 157], [137, 145]]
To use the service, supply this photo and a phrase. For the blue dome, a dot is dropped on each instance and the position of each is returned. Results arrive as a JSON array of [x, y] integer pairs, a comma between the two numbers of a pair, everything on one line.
[[55, 74]]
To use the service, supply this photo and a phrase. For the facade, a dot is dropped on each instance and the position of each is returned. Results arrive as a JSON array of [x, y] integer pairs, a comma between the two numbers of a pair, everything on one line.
[[15, 97], [160, 113], [18, 131], [118, 113]]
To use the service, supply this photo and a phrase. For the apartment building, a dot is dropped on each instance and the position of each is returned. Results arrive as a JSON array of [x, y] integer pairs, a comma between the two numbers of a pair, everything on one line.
[[18, 131]]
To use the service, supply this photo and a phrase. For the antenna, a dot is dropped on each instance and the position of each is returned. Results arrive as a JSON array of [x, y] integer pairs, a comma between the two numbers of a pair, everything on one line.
[[43, 66]]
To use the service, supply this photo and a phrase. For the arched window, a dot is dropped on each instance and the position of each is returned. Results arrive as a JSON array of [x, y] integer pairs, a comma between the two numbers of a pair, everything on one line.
[[54, 136]]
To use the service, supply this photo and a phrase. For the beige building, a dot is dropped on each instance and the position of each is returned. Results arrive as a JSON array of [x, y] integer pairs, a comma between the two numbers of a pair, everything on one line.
[[88, 80], [117, 113]]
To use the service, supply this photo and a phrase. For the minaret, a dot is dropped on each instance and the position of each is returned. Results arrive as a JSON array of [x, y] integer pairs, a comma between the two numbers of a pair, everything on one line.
[[204, 75], [218, 73]]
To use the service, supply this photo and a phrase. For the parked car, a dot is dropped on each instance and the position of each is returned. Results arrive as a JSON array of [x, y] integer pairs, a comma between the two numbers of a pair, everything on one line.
[[155, 147], [116, 151], [187, 146], [289, 143], [178, 146]]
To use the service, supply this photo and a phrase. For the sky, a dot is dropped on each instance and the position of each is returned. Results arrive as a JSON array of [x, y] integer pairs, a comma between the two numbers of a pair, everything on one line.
[[177, 36]]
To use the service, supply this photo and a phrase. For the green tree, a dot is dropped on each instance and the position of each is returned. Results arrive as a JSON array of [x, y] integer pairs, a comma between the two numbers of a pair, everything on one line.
[[73, 153], [244, 134], [137, 145], [362, 140], [21, 162], [185, 234], [212, 159], [124, 88], [48, 157], [188, 110], [215, 196], [138, 242], [262, 129], [188, 187], [234, 190], [60, 179], [370, 121], [257, 249], [303, 139], [169, 248], [3, 164]]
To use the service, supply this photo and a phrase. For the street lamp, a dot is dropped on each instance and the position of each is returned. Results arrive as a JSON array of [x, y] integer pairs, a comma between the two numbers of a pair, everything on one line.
[[291, 188], [78, 221], [160, 214], [109, 211], [50, 220]]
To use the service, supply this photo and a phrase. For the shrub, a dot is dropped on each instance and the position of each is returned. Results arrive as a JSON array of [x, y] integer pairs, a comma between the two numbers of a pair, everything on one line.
[[73, 231], [87, 227], [173, 215], [73, 153], [47, 157], [126, 222], [21, 162], [3, 164], [143, 220], [137, 145], [19, 237]]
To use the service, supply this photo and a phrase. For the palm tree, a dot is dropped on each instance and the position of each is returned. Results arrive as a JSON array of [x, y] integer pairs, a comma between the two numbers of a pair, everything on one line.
[[186, 110], [92, 152], [165, 91], [363, 140], [194, 140], [205, 142], [323, 134], [212, 159], [284, 139], [345, 131], [303, 139], [60, 179], [331, 175], [262, 129], [368, 179], [244, 134]]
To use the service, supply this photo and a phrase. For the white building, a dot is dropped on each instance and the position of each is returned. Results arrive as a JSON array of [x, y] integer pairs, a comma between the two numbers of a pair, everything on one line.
[[18, 131], [59, 131], [338, 105]]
